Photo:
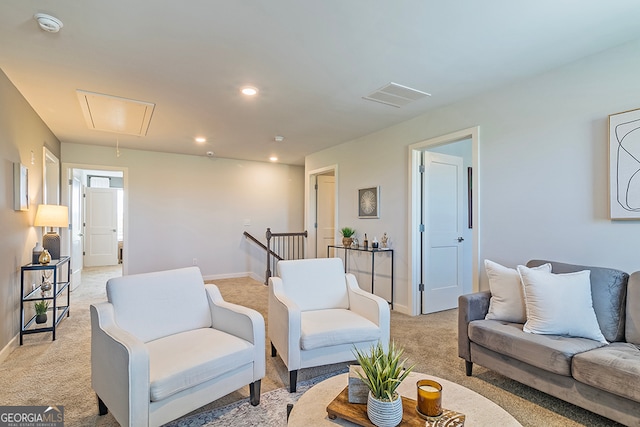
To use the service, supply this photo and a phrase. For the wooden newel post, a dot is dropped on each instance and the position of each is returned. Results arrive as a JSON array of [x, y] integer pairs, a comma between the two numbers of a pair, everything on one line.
[[266, 280]]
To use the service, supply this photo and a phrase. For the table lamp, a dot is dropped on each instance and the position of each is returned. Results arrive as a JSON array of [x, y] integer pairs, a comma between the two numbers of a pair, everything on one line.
[[52, 216]]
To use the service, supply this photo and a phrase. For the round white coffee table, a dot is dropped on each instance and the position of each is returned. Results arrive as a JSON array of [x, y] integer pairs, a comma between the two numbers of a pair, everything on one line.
[[311, 408]]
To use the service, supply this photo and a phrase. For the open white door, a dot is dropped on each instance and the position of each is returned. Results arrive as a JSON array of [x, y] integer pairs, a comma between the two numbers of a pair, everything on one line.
[[443, 207], [101, 238], [76, 234], [325, 213]]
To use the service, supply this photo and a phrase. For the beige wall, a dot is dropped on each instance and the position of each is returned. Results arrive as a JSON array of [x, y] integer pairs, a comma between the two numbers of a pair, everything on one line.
[[184, 207], [21, 133], [543, 171]]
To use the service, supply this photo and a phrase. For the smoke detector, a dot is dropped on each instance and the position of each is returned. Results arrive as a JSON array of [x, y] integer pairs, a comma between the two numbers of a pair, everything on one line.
[[48, 23]]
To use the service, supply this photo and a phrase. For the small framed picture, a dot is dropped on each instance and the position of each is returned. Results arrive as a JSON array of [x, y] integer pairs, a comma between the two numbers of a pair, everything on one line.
[[369, 202], [20, 187]]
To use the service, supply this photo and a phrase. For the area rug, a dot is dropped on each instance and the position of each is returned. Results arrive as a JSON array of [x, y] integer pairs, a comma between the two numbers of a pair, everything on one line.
[[271, 412]]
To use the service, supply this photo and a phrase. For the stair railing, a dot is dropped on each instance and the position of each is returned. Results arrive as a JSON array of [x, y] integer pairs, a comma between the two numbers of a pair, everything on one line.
[[285, 246], [280, 246]]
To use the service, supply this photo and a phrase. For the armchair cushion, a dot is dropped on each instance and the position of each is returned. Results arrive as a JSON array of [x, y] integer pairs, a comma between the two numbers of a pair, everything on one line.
[[325, 328], [324, 283], [182, 361], [174, 302]]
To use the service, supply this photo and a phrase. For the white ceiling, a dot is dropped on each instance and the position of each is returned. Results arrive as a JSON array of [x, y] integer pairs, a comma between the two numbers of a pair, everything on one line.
[[312, 60]]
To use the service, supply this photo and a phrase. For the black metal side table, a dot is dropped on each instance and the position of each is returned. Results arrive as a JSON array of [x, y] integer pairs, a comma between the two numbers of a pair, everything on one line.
[[35, 294], [373, 253]]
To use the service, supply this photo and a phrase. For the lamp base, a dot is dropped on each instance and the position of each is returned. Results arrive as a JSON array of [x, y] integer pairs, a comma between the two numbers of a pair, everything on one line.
[[51, 242]]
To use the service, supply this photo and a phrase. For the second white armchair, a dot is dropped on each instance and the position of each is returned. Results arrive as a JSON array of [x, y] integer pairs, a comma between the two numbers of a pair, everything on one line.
[[318, 313]]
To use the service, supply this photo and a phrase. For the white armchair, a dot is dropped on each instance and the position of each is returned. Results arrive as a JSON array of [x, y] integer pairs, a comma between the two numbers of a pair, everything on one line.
[[165, 344], [317, 314]]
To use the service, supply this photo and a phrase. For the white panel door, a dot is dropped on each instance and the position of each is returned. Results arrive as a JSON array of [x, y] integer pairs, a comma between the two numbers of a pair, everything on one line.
[[325, 215], [77, 236], [101, 238], [443, 209]]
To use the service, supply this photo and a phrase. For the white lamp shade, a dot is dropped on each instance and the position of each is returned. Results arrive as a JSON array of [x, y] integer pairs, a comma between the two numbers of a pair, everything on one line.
[[52, 216]]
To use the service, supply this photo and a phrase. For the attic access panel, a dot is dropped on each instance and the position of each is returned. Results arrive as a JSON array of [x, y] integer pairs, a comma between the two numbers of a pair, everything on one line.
[[115, 114]]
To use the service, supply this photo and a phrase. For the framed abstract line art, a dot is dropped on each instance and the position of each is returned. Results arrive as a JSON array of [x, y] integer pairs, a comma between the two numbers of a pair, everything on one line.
[[624, 165], [369, 202], [20, 187]]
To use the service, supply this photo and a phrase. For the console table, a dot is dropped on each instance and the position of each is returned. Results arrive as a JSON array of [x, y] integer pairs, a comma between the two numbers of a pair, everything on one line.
[[59, 284], [373, 253]]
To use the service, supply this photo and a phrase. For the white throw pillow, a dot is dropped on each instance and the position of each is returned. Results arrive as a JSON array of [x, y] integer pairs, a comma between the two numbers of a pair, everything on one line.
[[507, 297], [559, 304]]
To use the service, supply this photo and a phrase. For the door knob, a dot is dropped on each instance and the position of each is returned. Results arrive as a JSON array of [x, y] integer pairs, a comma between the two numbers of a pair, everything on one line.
[[460, 239]]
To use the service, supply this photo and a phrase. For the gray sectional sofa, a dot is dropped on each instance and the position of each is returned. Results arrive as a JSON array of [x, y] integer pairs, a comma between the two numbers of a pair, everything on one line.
[[602, 378]]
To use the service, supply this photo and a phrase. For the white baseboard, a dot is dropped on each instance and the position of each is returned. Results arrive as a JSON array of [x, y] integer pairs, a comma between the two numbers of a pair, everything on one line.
[[252, 275], [402, 309], [12, 345], [257, 277]]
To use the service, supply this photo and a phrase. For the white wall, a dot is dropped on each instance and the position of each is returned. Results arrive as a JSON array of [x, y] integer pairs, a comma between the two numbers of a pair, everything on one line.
[[184, 207], [543, 174]]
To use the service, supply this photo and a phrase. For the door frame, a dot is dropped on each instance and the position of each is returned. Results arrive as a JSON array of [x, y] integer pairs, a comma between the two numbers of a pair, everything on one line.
[[66, 173], [414, 220], [310, 202]]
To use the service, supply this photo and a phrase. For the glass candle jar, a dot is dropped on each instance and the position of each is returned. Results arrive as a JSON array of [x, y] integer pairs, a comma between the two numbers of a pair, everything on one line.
[[429, 398]]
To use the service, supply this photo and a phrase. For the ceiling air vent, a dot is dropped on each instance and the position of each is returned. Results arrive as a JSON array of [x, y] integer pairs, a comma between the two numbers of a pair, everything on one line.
[[114, 114], [396, 95]]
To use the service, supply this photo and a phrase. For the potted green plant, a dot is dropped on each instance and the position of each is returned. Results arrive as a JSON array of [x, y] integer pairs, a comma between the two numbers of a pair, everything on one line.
[[347, 236], [41, 311], [383, 373]]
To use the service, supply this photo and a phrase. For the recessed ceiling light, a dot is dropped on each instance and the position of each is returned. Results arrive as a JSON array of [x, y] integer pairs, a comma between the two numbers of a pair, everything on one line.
[[201, 139], [278, 138], [273, 158], [249, 91]]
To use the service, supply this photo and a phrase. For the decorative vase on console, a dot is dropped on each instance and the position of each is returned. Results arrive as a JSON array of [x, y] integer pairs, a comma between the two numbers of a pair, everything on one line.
[[384, 240], [37, 250], [45, 257]]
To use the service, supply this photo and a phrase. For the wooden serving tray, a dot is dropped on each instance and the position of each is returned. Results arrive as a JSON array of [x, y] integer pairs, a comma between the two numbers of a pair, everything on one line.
[[357, 413]]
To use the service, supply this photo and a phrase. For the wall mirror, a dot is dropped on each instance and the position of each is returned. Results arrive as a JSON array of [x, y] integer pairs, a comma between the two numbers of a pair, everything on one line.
[[51, 178]]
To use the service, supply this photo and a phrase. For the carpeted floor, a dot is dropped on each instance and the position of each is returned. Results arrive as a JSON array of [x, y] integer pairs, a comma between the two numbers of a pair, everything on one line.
[[45, 372]]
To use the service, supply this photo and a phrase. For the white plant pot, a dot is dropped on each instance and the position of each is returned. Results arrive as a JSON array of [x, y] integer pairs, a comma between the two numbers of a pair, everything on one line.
[[383, 413]]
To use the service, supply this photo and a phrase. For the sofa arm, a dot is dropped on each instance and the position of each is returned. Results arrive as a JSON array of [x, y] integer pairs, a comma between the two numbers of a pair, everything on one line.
[[369, 306], [240, 321], [119, 368], [632, 333], [284, 324], [470, 307]]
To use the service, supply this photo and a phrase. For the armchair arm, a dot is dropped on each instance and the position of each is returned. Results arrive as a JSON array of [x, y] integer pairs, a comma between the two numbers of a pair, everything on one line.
[[239, 321], [369, 306], [119, 368], [470, 307], [284, 324]]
